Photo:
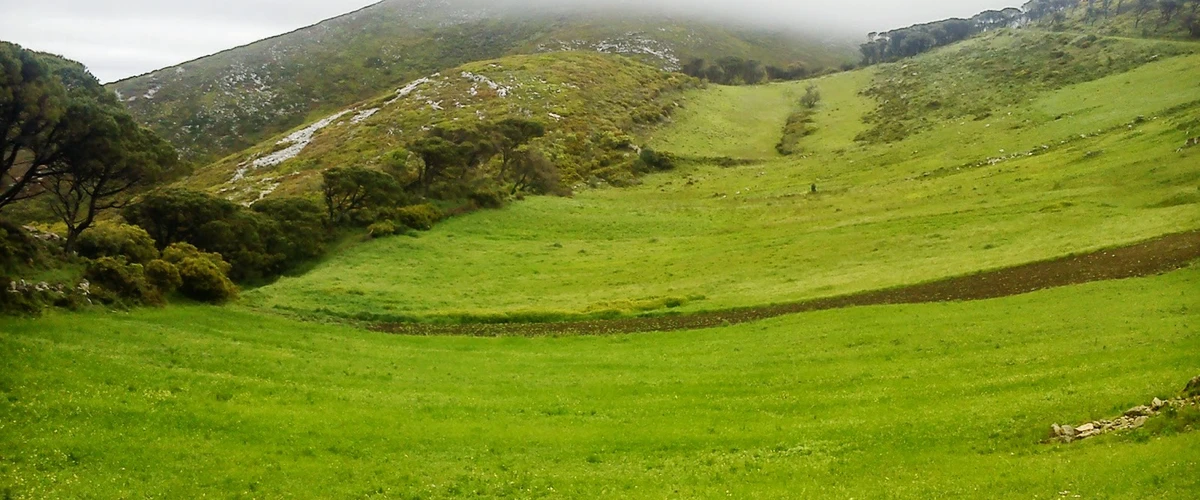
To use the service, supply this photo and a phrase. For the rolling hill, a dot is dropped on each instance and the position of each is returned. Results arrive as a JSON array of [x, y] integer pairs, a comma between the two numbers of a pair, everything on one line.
[[994, 177], [220, 104], [590, 104]]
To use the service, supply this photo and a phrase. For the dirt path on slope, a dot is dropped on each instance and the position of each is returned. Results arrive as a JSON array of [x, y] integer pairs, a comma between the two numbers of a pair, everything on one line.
[[1156, 256]]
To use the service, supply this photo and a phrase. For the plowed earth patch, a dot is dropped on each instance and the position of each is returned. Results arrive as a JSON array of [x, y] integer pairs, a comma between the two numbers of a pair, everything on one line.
[[1156, 256]]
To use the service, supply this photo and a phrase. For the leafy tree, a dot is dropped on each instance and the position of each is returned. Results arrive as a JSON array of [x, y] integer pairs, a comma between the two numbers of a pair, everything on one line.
[[177, 215], [1168, 9], [104, 169], [352, 189], [438, 156], [303, 227], [1140, 9], [533, 173], [510, 135], [812, 97], [33, 104]]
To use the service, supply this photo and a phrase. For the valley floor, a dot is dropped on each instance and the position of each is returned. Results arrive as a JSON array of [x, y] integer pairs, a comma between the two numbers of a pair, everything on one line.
[[911, 401]]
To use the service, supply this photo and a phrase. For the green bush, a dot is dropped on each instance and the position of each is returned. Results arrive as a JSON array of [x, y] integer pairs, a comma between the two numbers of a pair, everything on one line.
[[117, 240], [487, 198], [179, 252], [114, 281], [383, 229], [202, 280], [203, 276], [163, 275], [651, 160], [419, 217], [304, 227]]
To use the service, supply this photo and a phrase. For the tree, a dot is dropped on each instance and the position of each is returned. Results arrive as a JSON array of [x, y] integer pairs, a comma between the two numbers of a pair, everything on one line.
[[177, 215], [511, 134], [1140, 9], [351, 189], [303, 227], [1168, 9], [694, 67], [812, 97], [103, 170], [33, 103], [533, 173], [437, 156]]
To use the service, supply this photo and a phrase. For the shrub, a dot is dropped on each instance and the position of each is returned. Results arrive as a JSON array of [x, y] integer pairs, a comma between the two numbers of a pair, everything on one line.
[[419, 217], [383, 229], [117, 240], [651, 160], [163, 275], [202, 280], [203, 276], [16, 247], [487, 198], [304, 227], [115, 281], [179, 252]]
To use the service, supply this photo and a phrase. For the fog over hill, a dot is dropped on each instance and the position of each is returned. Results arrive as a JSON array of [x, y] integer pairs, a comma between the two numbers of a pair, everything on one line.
[[143, 35]]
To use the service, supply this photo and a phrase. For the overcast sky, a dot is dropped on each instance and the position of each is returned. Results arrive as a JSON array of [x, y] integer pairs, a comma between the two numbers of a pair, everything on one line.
[[121, 39]]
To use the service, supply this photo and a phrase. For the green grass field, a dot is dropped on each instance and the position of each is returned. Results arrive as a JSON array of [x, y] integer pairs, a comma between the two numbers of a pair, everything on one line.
[[706, 237], [939, 400]]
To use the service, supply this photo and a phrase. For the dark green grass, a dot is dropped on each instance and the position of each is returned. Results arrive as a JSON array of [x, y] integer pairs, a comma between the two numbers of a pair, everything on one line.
[[938, 400]]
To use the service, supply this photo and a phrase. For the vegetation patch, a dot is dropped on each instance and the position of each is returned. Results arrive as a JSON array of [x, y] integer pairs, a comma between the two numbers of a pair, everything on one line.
[[972, 80]]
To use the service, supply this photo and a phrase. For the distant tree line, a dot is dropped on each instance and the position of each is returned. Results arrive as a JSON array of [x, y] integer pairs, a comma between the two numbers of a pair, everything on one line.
[[738, 71], [913, 40]]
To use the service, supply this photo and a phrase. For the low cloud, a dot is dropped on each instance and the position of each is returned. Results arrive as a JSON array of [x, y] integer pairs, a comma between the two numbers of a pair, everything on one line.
[[137, 36]]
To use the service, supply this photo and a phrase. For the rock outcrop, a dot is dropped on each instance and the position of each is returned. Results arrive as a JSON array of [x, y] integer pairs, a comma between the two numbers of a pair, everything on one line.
[[1133, 418]]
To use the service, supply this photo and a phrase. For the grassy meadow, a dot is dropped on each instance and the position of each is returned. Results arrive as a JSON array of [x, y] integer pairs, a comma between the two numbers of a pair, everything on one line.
[[937, 400], [1077, 168]]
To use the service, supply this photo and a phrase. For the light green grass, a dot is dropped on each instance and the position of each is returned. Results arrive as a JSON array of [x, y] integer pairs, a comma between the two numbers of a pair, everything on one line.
[[736, 122], [885, 215], [928, 401]]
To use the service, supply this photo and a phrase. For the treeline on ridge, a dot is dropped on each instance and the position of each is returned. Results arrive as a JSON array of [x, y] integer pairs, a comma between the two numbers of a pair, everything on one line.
[[738, 71], [913, 40]]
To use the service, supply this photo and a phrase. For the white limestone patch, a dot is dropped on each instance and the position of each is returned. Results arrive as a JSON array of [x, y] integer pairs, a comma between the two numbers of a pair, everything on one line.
[[500, 90], [363, 115], [297, 141], [404, 91]]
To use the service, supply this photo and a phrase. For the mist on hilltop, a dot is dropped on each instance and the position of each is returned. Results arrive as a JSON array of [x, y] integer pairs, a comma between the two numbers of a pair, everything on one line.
[[144, 35]]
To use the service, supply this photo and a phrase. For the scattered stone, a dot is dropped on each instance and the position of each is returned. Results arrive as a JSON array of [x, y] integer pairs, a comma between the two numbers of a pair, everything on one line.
[[1139, 411], [1193, 388], [1134, 418]]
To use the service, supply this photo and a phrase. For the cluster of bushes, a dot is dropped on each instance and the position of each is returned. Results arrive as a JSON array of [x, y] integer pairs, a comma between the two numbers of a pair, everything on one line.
[[118, 265], [739, 71], [800, 123], [125, 266], [258, 243]]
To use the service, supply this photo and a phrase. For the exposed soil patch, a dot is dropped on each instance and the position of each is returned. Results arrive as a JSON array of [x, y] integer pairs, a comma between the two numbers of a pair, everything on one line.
[[1156, 256]]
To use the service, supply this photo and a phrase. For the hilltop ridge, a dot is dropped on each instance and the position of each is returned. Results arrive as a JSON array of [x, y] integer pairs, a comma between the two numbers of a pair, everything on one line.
[[226, 102]]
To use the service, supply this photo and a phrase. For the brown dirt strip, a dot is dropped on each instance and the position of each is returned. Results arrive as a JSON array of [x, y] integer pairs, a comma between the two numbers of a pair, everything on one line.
[[1156, 256]]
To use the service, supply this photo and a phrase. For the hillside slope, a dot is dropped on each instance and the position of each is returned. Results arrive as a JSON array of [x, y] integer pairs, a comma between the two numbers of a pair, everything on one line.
[[1065, 168], [229, 101], [589, 103]]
